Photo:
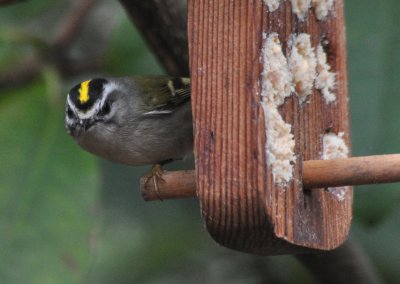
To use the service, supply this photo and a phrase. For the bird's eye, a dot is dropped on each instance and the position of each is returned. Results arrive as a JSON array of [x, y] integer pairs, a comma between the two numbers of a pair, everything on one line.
[[69, 112], [105, 109]]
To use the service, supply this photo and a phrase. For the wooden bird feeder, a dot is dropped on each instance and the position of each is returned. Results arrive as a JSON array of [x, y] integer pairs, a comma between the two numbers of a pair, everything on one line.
[[271, 126]]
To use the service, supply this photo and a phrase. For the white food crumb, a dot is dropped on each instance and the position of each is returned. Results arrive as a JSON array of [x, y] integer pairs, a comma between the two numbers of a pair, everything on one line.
[[300, 7], [322, 8], [334, 147], [272, 4], [276, 77], [302, 63], [326, 80], [276, 86]]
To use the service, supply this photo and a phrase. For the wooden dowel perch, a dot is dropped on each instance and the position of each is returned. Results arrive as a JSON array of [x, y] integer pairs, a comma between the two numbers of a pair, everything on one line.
[[177, 184], [352, 171], [316, 174]]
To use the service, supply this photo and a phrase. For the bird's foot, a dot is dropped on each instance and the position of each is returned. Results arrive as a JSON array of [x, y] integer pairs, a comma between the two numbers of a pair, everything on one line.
[[156, 175]]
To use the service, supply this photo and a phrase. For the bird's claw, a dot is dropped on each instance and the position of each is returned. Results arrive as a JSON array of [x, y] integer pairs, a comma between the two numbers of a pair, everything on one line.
[[156, 175]]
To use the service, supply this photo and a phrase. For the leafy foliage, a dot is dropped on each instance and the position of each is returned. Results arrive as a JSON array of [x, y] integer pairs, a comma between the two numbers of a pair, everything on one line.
[[47, 193]]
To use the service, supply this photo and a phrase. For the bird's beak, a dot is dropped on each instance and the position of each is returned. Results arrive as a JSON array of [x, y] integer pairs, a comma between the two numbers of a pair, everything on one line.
[[85, 123], [72, 129], [82, 125]]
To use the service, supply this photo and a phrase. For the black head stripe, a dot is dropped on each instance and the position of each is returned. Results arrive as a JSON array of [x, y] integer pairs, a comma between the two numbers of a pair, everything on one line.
[[85, 94]]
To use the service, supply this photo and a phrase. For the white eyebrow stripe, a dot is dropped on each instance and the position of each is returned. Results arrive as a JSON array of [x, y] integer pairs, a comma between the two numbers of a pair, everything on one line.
[[109, 87], [80, 114]]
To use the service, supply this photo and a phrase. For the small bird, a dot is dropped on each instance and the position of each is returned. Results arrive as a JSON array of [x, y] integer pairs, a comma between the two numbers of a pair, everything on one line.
[[132, 120]]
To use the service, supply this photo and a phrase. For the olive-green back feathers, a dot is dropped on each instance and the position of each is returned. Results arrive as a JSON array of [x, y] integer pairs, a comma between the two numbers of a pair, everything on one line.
[[164, 94]]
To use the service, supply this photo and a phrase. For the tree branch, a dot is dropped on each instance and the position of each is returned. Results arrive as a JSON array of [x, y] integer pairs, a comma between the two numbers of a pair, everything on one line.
[[8, 2], [163, 25], [72, 23], [56, 53], [346, 264], [23, 72]]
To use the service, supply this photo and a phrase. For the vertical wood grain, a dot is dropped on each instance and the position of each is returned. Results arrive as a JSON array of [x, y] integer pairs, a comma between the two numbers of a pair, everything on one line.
[[241, 206]]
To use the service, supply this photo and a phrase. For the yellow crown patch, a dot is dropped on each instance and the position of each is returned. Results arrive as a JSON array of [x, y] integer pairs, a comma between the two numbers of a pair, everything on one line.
[[84, 92]]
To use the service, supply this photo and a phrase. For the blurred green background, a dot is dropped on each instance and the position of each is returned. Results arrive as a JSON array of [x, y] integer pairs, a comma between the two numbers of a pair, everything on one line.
[[69, 217]]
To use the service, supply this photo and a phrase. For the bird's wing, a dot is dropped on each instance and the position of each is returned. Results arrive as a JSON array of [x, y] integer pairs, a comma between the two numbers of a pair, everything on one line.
[[163, 95]]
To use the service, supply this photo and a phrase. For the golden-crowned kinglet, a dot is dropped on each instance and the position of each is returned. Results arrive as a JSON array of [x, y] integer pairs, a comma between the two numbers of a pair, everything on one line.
[[132, 120]]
